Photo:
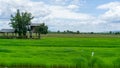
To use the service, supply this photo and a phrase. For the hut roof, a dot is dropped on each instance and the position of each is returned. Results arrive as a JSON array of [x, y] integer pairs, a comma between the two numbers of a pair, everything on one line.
[[35, 24], [7, 30]]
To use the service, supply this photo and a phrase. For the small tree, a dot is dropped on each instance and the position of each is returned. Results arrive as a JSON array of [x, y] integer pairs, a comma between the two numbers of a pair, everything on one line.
[[91, 32], [78, 32], [110, 32], [58, 31], [42, 29]]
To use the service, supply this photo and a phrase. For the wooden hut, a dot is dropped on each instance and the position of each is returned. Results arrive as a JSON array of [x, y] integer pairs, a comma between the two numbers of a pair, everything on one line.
[[7, 31]]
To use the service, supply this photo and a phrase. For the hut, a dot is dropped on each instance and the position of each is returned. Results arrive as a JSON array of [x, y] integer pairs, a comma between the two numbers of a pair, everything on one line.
[[33, 26], [7, 31]]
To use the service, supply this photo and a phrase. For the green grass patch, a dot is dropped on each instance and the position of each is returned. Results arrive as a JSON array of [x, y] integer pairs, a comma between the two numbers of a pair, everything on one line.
[[63, 42], [61, 52]]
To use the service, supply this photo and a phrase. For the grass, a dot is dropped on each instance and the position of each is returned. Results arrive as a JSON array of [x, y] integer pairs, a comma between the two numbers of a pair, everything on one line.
[[63, 42], [61, 52]]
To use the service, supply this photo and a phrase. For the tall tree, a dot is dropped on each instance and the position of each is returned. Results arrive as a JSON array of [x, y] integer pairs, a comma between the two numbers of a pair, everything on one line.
[[20, 22]]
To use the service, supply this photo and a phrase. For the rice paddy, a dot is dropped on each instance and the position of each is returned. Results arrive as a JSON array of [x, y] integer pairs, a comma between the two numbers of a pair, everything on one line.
[[61, 51]]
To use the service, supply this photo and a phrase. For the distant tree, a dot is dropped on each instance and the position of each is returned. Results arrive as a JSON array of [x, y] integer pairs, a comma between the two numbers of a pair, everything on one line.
[[64, 31], [92, 33], [41, 29], [117, 33], [78, 32], [110, 32], [71, 32], [58, 31], [67, 31], [20, 22]]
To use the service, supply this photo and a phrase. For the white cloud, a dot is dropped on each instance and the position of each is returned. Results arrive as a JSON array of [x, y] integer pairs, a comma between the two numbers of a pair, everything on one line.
[[65, 19], [78, 2], [66, 2], [59, 14], [8, 7], [110, 5], [73, 7], [4, 24], [113, 12]]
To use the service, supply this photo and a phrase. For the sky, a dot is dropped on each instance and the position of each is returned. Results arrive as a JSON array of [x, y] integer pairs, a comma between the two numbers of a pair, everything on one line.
[[74, 15]]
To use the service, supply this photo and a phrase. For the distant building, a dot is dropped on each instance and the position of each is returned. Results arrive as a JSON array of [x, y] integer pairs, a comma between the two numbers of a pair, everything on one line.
[[34, 25], [7, 31]]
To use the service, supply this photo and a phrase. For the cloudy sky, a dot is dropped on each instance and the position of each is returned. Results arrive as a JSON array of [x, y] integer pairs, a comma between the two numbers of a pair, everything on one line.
[[82, 15]]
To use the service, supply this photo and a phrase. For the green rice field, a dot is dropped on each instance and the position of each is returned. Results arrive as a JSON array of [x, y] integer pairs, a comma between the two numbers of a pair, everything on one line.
[[61, 51]]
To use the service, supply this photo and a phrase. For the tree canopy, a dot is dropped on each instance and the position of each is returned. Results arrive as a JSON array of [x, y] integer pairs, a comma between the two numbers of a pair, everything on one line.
[[42, 29], [20, 22]]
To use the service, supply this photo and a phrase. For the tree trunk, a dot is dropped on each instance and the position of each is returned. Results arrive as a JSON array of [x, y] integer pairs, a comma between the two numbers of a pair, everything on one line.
[[36, 34], [39, 36], [7, 35], [15, 35], [20, 34], [30, 34], [24, 35]]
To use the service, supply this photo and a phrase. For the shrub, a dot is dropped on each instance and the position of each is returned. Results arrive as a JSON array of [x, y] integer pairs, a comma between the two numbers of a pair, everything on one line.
[[81, 62], [117, 63], [96, 62]]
